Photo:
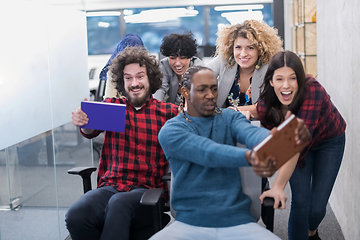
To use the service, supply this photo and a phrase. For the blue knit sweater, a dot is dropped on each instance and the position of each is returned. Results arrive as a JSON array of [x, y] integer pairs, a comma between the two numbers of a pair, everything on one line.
[[205, 163]]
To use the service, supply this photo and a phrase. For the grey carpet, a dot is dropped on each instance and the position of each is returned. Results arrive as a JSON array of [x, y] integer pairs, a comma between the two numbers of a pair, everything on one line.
[[329, 228]]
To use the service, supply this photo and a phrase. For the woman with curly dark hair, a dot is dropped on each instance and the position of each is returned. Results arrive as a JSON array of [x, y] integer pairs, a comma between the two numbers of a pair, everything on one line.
[[179, 50]]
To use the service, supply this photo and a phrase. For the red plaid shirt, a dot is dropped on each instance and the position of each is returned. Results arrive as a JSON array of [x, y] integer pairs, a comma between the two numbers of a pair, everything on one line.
[[135, 157], [319, 114]]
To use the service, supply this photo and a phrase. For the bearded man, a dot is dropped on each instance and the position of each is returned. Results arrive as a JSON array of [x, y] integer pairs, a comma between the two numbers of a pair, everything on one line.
[[130, 162]]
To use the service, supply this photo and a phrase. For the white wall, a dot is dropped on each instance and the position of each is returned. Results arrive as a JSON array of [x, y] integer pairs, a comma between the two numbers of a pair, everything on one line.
[[43, 68], [338, 31], [338, 51]]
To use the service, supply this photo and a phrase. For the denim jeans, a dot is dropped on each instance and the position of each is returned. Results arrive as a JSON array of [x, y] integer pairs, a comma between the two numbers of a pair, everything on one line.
[[311, 186], [105, 213]]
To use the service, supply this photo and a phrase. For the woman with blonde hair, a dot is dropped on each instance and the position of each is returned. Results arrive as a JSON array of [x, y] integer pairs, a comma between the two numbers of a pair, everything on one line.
[[242, 54]]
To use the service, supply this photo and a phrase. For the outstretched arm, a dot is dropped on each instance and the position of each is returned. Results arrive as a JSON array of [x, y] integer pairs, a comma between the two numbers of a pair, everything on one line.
[[261, 168], [79, 119], [277, 190], [249, 110], [183, 143], [281, 179]]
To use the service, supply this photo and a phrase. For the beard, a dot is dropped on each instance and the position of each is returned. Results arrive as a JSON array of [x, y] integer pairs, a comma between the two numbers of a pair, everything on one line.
[[137, 101]]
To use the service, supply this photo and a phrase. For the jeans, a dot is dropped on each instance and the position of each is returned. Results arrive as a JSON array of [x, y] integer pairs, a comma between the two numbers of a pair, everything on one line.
[[105, 213], [311, 186], [181, 231]]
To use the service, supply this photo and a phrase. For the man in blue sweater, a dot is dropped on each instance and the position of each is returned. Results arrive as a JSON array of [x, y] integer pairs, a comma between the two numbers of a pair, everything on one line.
[[200, 145]]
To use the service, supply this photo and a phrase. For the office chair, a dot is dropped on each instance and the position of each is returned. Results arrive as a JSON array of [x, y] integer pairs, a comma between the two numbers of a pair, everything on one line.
[[151, 197], [253, 186], [100, 91]]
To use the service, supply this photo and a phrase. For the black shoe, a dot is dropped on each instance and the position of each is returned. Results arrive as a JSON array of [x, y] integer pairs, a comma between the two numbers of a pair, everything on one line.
[[315, 236]]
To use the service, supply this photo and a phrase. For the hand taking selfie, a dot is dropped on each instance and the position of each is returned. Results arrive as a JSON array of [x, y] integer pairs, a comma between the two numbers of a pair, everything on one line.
[[262, 168]]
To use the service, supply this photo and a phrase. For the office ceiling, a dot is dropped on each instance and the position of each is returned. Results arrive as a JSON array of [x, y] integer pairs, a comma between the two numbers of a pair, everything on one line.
[[96, 5]]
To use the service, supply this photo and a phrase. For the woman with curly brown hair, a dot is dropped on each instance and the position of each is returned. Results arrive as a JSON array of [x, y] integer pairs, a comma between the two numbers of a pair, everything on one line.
[[242, 54]]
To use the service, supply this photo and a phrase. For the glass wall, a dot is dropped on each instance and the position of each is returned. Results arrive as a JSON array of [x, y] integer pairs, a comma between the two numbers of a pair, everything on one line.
[[43, 77], [152, 24], [35, 189], [103, 34]]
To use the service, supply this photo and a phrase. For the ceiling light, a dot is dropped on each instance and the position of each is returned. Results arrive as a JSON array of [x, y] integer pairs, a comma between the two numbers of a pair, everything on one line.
[[238, 7], [239, 17], [160, 15], [128, 12], [103, 13], [103, 24]]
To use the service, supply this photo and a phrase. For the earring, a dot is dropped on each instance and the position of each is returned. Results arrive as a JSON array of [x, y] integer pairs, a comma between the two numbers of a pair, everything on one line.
[[231, 61], [258, 64]]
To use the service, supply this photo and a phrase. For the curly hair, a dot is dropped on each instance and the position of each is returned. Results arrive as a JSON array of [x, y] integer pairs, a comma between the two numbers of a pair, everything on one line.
[[264, 38], [135, 55], [179, 45]]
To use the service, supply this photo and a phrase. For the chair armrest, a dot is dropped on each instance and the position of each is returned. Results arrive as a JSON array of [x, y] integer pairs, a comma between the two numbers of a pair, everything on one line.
[[85, 173], [269, 202], [82, 170], [152, 196], [267, 208], [167, 177]]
